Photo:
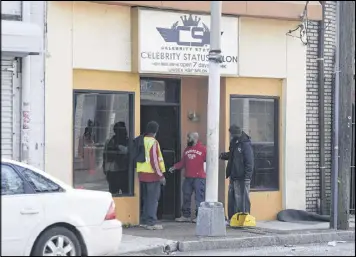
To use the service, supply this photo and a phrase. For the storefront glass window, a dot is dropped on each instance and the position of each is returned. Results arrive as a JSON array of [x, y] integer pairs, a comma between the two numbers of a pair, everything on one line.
[[154, 91], [103, 134], [259, 119]]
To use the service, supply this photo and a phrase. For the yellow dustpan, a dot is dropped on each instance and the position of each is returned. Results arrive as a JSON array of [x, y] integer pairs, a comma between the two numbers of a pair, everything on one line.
[[241, 219]]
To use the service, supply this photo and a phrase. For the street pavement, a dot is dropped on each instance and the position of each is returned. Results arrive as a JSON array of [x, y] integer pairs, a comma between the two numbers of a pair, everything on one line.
[[340, 249], [186, 231], [181, 236]]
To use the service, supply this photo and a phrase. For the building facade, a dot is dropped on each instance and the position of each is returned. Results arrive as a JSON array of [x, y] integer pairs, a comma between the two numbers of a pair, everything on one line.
[[122, 63], [22, 81], [314, 188]]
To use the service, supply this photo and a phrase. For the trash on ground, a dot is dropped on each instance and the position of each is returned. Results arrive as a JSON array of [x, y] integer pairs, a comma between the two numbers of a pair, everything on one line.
[[332, 243]]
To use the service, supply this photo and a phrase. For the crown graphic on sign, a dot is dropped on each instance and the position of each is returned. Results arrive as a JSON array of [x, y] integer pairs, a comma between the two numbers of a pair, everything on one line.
[[190, 22]]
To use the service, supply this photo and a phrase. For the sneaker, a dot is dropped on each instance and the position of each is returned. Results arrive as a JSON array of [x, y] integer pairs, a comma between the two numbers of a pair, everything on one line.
[[183, 219], [194, 220], [142, 225], [154, 227], [227, 223]]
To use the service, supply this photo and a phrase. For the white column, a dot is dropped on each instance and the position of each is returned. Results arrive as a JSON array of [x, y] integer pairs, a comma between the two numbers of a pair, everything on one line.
[[212, 176], [211, 217], [294, 119], [26, 92]]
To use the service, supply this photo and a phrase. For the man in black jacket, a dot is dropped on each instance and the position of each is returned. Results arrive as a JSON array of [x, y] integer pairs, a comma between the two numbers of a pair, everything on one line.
[[239, 169]]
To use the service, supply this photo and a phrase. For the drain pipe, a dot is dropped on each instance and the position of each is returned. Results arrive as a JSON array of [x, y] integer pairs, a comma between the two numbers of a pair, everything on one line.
[[25, 92], [322, 112], [335, 140]]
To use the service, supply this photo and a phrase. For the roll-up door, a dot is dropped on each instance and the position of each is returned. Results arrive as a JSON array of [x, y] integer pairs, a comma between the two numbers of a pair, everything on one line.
[[10, 109]]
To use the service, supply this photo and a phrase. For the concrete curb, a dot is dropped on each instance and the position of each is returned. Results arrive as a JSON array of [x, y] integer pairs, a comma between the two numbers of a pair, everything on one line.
[[260, 241], [154, 250]]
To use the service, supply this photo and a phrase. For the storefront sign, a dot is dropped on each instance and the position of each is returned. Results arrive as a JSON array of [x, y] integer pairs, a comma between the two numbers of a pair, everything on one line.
[[179, 43]]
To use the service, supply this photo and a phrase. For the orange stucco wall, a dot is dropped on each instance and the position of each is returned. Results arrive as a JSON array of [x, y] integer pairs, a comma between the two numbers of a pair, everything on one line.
[[264, 205], [194, 91]]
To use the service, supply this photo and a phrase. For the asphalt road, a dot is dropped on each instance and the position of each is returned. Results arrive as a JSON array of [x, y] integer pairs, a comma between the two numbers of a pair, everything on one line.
[[341, 249]]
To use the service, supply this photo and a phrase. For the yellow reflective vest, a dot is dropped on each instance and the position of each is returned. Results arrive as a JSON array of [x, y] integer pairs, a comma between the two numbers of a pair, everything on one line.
[[146, 166]]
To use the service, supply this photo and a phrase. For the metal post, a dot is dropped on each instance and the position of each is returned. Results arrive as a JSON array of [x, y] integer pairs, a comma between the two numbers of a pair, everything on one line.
[[335, 160], [211, 217], [213, 104], [346, 47], [26, 92], [321, 68]]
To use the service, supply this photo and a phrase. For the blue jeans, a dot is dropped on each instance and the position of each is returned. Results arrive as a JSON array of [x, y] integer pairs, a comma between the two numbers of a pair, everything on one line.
[[190, 185], [238, 197], [151, 192]]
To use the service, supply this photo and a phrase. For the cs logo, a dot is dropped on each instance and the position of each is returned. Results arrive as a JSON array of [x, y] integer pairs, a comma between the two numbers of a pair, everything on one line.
[[188, 34]]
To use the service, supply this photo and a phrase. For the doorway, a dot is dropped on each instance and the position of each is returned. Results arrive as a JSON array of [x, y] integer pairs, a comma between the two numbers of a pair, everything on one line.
[[160, 102]]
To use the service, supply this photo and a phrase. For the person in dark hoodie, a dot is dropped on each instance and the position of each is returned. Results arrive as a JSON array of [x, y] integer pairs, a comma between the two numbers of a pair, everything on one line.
[[239, 170], [116, 161]]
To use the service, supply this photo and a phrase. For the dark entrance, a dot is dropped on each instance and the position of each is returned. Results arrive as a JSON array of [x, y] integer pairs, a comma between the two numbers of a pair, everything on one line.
[[160, 102]]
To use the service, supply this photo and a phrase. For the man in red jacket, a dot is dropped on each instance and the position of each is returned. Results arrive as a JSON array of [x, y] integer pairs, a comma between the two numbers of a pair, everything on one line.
[[193, 162]]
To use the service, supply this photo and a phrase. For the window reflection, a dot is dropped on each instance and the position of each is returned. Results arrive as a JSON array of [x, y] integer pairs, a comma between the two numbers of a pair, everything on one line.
[[153, 90], [102, 136], [39, 183], [257, 117], [116, 160], [11, 183]]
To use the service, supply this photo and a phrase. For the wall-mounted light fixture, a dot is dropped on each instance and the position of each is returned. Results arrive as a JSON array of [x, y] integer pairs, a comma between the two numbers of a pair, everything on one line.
[[193, 116]]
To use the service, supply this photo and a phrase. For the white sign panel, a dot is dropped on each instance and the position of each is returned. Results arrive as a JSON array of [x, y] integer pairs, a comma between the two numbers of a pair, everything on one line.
[[179, 43]]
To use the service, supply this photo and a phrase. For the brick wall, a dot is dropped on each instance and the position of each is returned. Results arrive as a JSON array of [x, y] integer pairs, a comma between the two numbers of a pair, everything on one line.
[[312, 144]]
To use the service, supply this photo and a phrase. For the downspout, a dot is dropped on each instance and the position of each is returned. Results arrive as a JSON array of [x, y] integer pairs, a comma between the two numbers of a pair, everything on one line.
[[25, 92], [335, 120], [322, 112]]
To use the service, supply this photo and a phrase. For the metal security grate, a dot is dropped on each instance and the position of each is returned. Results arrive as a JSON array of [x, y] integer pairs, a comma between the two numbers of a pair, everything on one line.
[[7, 104]]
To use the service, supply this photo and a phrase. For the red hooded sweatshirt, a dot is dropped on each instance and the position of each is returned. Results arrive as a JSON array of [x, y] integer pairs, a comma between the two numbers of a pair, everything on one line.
[[193, 161]]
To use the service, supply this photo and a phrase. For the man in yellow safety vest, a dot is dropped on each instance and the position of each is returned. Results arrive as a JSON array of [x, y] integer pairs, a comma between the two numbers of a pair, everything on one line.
[[150, 174]]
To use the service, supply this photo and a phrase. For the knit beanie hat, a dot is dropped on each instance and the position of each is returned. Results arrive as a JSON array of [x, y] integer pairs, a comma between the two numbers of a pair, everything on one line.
[[152, 127], [235, 130]]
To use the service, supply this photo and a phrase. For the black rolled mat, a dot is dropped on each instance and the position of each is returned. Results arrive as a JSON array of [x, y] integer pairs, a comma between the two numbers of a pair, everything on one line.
[[291, 215]]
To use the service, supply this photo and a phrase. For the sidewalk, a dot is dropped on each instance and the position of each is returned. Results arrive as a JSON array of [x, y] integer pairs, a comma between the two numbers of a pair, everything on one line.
[[181, 236]]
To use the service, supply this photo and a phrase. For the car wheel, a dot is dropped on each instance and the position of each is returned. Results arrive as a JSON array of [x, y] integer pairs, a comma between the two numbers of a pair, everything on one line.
[[57, 241]]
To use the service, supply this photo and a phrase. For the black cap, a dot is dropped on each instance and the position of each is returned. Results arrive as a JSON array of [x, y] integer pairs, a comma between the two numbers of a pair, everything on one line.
[[152, 127], [119, 124], [235, 130]]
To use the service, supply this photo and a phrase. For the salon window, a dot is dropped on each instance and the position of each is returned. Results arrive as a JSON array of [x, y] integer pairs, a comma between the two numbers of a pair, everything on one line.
[[103, 135], [258, 116]]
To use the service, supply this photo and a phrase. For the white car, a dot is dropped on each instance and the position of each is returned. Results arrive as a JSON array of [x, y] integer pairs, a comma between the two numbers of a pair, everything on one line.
[[42, 216]]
